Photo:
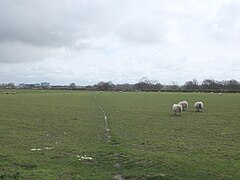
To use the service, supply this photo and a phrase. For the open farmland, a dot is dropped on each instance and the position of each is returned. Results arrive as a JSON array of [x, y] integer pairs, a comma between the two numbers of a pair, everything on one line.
[[127, 135]]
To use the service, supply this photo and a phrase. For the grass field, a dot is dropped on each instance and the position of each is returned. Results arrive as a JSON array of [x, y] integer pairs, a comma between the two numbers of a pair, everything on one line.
[[145, 141]]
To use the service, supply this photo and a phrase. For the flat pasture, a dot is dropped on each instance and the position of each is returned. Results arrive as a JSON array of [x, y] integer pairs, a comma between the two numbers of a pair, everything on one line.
[[90, 135]]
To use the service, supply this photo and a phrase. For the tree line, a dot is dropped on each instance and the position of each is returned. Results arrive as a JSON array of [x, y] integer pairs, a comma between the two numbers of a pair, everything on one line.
[[146, 84]]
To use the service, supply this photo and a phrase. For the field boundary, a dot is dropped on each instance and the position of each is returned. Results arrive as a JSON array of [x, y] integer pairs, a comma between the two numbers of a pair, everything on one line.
[[107, 128]]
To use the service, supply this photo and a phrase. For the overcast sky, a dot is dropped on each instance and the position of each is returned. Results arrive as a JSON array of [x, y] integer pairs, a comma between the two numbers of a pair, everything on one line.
[[87, 41]]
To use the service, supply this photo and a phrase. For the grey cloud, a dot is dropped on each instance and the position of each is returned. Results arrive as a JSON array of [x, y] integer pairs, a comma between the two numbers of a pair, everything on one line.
[[121, 40], [63, 23], [141, 30], [56, 23], [226, 26], [15, 52], [39, 23]]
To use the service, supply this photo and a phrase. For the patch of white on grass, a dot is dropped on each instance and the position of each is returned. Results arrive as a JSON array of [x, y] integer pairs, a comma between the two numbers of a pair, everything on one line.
[[48, 148], [41, 149], [85, 157], [37, 149]]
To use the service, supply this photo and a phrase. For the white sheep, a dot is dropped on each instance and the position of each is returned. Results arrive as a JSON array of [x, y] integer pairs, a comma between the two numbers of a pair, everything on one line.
[[177, 109], [199, 106], [184, 105], [219, 94]]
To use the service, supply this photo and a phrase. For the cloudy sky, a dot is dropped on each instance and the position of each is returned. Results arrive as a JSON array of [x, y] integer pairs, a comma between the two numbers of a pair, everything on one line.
[[87, 41]]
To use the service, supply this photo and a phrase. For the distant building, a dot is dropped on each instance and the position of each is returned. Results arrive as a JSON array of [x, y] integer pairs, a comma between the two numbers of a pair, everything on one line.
[[45, 84], [37, 85], [26, 86]]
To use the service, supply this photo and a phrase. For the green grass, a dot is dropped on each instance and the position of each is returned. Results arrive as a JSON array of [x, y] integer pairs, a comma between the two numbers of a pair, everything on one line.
[[146, 141]]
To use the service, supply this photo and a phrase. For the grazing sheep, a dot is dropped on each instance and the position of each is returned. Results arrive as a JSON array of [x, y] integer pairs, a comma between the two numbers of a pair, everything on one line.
[[199, 106], [184, 105], [4, 92], [177, 109], [219, 94], [14, 93]]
